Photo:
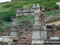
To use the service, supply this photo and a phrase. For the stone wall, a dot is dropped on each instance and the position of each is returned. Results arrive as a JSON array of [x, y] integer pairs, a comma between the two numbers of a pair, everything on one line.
[[25, 38]]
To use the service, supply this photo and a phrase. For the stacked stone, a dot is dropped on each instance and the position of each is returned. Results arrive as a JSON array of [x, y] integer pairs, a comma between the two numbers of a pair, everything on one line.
[[14, 29]]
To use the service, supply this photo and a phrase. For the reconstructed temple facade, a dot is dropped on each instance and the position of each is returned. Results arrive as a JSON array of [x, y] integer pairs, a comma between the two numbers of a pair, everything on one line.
[[38, 34]]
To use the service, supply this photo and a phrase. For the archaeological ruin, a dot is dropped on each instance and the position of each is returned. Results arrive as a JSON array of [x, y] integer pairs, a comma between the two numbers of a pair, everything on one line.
[[37, 34]]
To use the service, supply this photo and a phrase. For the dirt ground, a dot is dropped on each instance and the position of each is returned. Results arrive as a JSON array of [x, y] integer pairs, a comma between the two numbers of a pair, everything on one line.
[[56, 23]]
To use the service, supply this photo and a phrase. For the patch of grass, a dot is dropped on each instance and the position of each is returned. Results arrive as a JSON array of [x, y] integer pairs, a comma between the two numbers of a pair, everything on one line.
[[53, 20], [53, 12]]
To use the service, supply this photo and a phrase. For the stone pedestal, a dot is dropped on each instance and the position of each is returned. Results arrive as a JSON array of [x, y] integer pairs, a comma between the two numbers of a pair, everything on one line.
[[36, 37]]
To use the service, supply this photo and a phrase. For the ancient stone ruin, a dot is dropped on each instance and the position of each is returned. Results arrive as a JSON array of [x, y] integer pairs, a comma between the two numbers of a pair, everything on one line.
[[38, 34]]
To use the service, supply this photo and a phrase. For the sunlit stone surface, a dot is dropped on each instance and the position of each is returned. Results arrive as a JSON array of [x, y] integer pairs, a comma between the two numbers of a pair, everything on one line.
[[37, 32]]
